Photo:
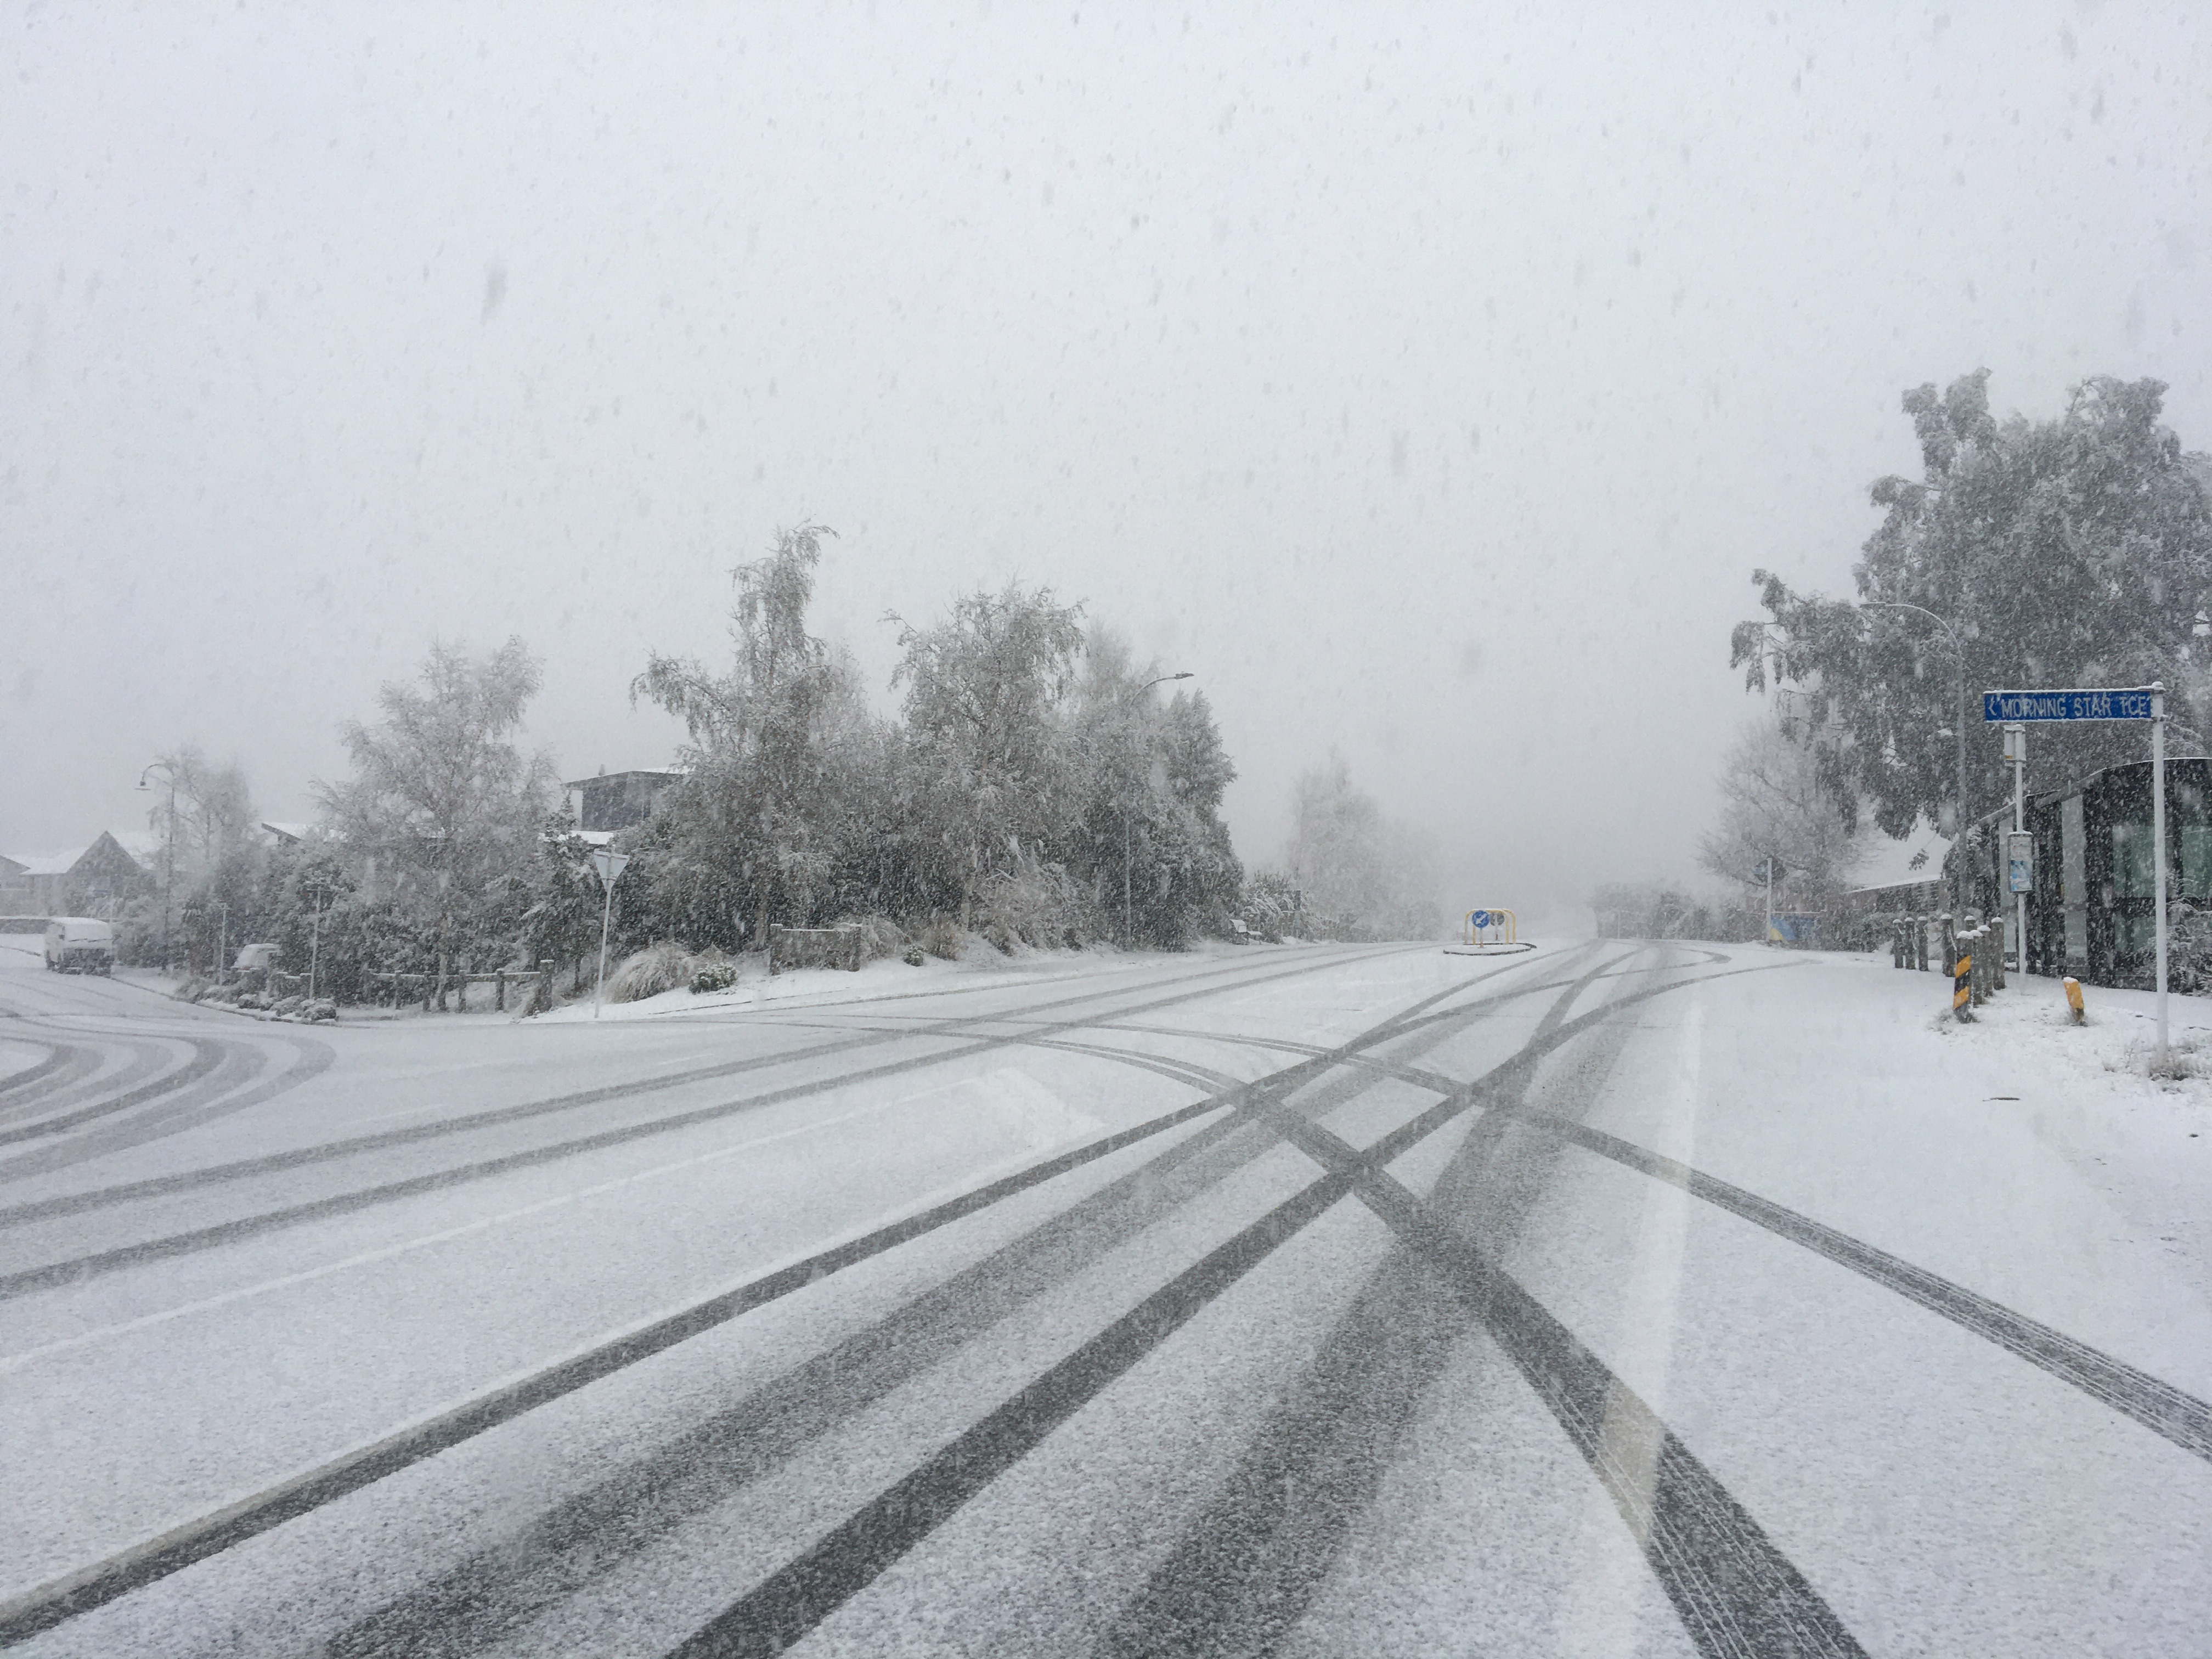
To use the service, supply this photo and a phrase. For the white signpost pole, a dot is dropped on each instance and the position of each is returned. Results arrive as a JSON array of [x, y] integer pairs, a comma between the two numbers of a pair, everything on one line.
[[2158, 843], [2018, 734], [609, 866]]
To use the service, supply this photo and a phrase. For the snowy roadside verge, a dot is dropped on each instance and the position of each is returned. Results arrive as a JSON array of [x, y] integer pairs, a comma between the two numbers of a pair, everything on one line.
[[2114, 1046], [984, 968], [2087, 1093]]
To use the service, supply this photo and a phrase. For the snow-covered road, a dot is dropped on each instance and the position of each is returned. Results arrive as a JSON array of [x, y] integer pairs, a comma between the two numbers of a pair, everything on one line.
[[1614, 1298]]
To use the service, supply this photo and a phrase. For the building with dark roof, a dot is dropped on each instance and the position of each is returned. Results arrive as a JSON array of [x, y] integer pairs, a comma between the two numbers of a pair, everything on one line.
[[616, 800], [82, 880]]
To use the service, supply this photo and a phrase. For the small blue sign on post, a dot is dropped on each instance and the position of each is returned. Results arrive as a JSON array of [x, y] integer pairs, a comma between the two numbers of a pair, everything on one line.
[[1478, 918], [2129, 703]]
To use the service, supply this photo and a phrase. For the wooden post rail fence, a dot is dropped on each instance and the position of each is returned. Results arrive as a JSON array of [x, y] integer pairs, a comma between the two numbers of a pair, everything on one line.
[[518, 977]]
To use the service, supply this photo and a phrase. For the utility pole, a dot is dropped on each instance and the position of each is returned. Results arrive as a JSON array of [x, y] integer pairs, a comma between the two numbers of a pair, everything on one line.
[[1128, 931], [168, 852], [315, 936]]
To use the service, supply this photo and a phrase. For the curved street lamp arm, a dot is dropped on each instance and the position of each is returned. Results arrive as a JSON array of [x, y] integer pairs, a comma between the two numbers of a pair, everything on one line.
[[1949, 633]]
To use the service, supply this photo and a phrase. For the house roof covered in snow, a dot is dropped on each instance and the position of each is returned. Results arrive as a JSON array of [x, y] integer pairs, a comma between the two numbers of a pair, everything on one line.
[[1889, 862], [46, 864]]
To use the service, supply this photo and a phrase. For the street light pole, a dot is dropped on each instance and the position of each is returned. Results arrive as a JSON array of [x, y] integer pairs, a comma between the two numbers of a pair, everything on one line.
[[315, 938], [1959, 711], [168, 852], [1129, 931]]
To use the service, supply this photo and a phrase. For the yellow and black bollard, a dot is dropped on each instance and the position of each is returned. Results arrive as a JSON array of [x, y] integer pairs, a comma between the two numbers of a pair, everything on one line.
[[2074, 1000], [1962, 993]]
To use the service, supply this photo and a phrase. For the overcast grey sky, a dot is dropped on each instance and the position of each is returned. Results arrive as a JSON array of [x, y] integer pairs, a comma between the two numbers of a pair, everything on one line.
[[1427, 381]]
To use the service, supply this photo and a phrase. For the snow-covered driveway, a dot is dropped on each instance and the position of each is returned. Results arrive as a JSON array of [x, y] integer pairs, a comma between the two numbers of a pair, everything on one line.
[[1611, 1299]]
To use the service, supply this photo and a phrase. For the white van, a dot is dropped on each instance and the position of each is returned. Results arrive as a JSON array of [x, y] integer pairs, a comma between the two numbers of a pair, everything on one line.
[[78, 944]]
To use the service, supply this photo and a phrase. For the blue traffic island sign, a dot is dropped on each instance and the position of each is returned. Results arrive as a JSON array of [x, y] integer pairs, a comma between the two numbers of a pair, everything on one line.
[[2129, 703]]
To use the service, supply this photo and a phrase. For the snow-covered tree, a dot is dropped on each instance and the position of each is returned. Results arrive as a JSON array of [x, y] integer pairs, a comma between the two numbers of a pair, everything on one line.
[[744, 832], [1151, 840], [442, 797], [1378, 878], [1775, 801], [2074, 551], [215, 819], [990, 773]]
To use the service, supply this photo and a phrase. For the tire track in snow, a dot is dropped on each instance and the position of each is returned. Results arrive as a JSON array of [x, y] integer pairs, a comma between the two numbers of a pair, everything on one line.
[[1749, 1590], [77, 1269], [1735, 1590], [2170, 1412], [1244, 1569], [490, 1593], [206, 1055], [135, 1060], [58, 1055], [277, 1163], [216, 1096], [2159, 1405], [46, 1606]]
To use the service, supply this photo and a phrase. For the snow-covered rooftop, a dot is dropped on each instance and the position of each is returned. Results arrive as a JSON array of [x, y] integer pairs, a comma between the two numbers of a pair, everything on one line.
[[47, 864], [1889, 862]]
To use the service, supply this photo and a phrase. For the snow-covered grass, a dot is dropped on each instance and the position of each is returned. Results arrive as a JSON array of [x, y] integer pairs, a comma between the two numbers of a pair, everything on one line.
[[2019, 1086], [2117, 1041]]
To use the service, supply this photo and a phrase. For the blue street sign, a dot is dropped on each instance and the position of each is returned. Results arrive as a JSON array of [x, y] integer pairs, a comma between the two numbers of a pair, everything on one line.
[[1480, 919], [2131, 704]]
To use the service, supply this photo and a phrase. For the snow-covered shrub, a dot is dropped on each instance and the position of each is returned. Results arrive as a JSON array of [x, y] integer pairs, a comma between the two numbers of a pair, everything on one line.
[[942, 940], [713, 975], [879, 935], [657, 967], [1273, 905], [1037, 904], [915, 955], [192, 989]]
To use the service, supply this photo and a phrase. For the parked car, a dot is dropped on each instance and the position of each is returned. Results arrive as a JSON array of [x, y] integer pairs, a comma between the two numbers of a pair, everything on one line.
[[79, 944]]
